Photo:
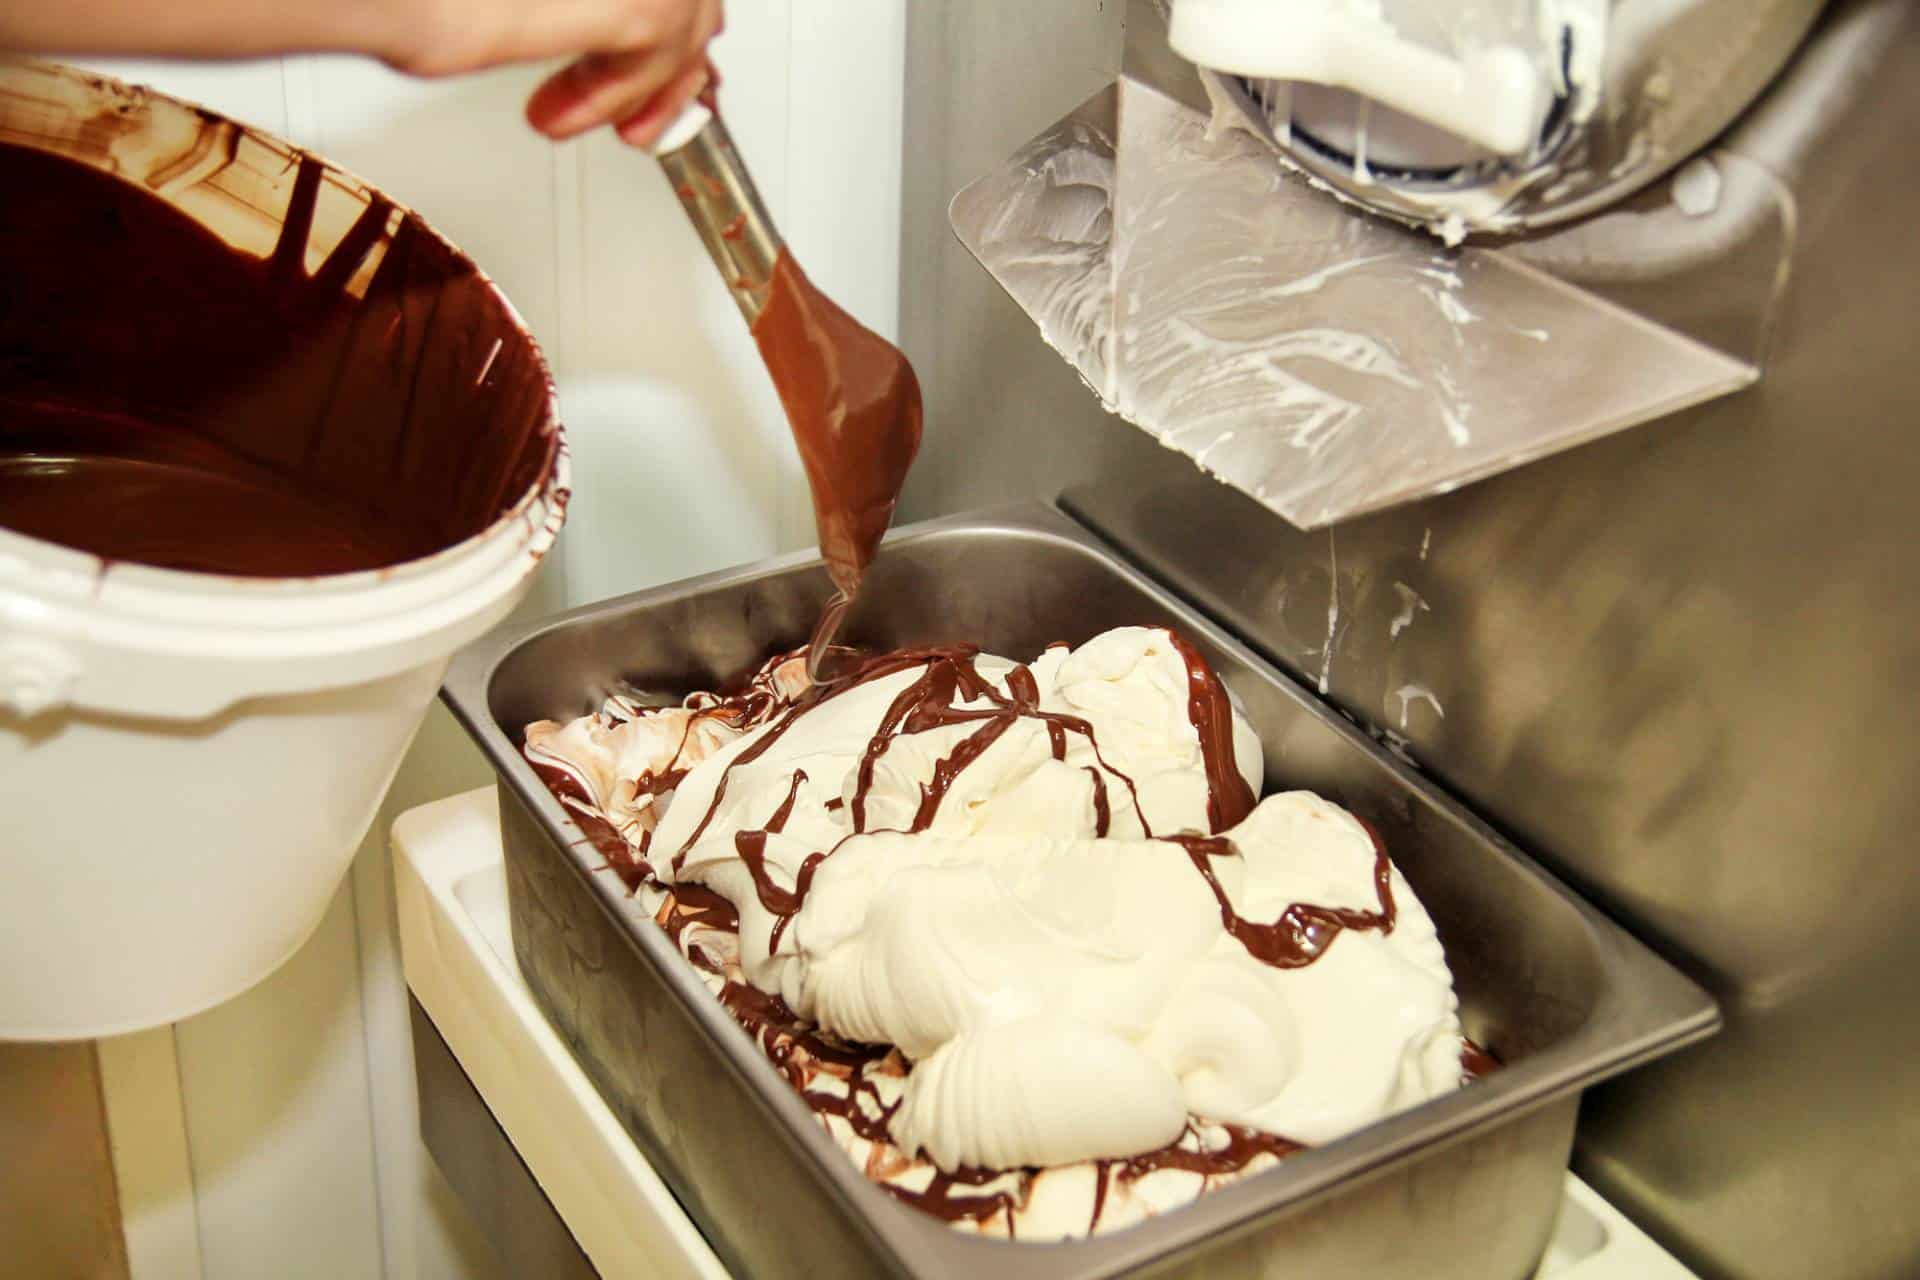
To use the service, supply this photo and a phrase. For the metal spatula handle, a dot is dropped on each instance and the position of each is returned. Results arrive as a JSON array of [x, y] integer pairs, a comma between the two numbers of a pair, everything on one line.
[[719, 196]]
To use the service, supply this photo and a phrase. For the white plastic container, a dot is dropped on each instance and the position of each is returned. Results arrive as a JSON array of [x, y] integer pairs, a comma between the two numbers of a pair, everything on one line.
[[188, 761]]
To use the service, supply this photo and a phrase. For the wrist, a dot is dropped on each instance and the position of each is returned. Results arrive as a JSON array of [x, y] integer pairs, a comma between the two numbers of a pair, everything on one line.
[[401, 33]]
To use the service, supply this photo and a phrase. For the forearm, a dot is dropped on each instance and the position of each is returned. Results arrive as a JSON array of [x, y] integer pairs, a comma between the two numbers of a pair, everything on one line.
[[206, 28], [637, 63]]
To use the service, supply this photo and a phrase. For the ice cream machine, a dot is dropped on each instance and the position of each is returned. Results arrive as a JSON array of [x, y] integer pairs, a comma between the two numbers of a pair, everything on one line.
[[1390, 282]]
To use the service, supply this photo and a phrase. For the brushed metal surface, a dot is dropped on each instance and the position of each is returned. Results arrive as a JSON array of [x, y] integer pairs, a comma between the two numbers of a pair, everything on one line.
[[1673, 74], [1680, 663], [720, 198], [1327, 364], [1467, 1185], [485, 1170]]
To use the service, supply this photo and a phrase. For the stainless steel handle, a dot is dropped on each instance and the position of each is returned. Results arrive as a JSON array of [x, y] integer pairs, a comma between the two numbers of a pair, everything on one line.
[[719, 196]]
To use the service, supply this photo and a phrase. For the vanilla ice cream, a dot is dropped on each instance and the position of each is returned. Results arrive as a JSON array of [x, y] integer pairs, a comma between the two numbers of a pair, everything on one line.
[[1020, 934]]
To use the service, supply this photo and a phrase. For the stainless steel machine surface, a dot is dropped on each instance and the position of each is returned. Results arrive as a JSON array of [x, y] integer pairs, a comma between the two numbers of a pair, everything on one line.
[[1328, 364], [1680, 663], [1637, 86], [1466, 1185], [724, 205]]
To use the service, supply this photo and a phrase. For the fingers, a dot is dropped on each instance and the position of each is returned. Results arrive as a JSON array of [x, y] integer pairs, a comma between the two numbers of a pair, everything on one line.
[[640, 90], [644, 128], [598, 89]]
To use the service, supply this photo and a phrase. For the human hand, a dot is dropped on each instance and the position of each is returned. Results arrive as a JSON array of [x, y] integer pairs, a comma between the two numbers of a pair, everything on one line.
[[638, 63]]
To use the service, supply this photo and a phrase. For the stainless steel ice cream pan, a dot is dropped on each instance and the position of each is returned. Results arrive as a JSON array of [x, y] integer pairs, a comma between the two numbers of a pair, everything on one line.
[[1464, 1186]]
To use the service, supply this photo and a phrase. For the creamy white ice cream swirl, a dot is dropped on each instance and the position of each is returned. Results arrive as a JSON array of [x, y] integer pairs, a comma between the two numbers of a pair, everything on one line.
[[1064, 995]]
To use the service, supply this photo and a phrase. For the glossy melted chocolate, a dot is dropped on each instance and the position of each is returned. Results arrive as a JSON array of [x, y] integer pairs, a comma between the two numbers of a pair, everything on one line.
[[854, 406], [1299, 936], [1229, 798], [120, 491], [1303, 932], [167, 399]]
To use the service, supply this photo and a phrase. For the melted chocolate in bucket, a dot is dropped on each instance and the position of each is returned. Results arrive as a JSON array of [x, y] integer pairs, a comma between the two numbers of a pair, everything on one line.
[[170, 400]]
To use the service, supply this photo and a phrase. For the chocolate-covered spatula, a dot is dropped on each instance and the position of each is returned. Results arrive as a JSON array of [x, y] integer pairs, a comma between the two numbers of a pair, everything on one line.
[[850, 395]]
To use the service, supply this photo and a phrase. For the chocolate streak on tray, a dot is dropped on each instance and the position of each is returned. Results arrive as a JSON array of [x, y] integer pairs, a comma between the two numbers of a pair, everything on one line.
[[803, 1052], [1476, 1062]]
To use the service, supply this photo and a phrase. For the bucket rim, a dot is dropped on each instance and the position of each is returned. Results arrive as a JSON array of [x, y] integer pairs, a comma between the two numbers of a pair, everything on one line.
[[30, 565]]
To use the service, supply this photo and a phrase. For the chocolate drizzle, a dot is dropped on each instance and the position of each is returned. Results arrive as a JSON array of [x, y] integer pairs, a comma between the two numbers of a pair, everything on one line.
[[1229, 799], [947, 1195], [1304, 931], [874, 668], [691, 905], [1242, 1146], [926, 704], [783, 904], [803, 1053], [1102, 1176], [1102, 815], [929, 704], [854, 406], [850, 1082], [778, 822]]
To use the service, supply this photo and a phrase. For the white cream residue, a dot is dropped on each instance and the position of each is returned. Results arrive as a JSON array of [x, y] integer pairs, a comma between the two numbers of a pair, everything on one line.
[[1410, 604], [1408, 694], [1333, 615], [1314, 280]]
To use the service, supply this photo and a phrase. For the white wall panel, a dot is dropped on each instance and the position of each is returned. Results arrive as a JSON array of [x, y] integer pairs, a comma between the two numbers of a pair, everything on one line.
[[457, 152], [279, 1121], [656, 323], [843, 153], [425, 1233], [153, 1174]]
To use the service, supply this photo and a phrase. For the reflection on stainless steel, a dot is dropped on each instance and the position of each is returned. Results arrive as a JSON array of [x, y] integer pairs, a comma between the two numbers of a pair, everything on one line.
[[1327, 364], [480, 1162], [1680, 662], [1464, 1186], [720, 198]]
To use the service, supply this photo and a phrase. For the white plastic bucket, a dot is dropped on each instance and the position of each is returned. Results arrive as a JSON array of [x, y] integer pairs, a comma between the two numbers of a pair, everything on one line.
[[188, 761]]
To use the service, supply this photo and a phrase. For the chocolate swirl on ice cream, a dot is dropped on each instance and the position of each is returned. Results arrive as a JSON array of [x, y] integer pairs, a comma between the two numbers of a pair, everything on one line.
[[1019, 1004], [1229, 798], [1303, 931]]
